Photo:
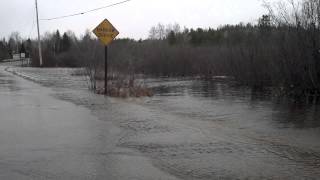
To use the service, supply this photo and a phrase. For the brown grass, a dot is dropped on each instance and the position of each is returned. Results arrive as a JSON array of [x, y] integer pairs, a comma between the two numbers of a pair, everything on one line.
[[123, 89]]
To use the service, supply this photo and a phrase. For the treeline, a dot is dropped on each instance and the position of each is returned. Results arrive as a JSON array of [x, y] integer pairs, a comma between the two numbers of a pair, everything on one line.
[[13, 45], [58, 50], [4, 50], [281, 50]]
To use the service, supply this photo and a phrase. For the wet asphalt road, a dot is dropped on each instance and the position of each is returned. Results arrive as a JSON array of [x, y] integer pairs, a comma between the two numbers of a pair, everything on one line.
[[59, 130], [42, 137]]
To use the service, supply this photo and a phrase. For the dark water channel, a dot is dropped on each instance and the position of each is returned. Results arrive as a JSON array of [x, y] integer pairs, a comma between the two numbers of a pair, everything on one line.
[[226, 100]]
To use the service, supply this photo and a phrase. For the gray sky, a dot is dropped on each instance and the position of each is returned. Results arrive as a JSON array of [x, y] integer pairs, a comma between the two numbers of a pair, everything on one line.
[[132, 19]]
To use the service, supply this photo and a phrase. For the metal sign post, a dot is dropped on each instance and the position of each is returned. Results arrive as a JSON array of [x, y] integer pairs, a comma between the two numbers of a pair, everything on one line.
[[106, 70], [106, 34]]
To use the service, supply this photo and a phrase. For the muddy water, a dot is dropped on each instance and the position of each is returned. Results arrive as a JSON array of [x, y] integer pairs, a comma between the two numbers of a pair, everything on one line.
[[194, 129], [223, 99], [232, 132]]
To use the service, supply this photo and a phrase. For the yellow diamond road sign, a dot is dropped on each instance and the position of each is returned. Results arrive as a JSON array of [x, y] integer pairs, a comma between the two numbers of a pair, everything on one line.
[[106, 32]]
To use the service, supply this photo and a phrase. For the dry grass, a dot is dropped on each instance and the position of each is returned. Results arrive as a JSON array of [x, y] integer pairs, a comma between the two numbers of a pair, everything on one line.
[[123, 88]]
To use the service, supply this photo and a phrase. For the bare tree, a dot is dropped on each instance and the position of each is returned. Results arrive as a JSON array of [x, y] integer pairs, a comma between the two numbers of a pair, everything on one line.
[[15, 41], [161, 31], [153, 33]]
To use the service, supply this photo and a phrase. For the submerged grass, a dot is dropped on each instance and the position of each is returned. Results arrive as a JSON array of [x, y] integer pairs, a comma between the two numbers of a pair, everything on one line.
[[123, 86]]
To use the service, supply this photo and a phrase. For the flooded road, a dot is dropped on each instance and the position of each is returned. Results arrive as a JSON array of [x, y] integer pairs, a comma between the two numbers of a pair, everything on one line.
[[42, 137], [190, 129]]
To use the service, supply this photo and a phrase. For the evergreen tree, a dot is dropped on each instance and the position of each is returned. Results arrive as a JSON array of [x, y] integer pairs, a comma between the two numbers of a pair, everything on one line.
[[172, 39], [57, 42], [22, 48], [264, 24], [28, 48], [3, 50], [66, 44]]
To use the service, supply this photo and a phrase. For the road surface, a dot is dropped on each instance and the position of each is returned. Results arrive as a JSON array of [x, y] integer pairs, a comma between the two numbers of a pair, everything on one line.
[[42, 137]]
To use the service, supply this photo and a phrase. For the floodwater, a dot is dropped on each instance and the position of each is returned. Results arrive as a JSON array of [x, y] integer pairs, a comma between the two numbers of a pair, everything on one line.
[[190, 129]]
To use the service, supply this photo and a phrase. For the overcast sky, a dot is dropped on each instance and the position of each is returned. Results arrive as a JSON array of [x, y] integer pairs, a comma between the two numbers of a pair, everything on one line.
[[133, 19]]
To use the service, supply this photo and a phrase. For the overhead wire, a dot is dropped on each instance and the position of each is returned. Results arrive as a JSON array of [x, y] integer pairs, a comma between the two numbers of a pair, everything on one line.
[[85, 12]]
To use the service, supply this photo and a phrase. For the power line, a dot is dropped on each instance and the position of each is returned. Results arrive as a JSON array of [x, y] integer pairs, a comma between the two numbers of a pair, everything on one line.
[[85, 12]]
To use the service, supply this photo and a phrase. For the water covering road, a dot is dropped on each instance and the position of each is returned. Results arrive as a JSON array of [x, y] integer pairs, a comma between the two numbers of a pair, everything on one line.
[[188, 130], [42, 137]]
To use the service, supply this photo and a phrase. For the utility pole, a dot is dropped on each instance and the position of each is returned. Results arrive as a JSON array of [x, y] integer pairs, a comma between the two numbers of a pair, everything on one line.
[[39, 39]]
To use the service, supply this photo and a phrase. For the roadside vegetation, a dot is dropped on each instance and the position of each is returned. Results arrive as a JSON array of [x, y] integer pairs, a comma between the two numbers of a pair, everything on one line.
[[281, 51]]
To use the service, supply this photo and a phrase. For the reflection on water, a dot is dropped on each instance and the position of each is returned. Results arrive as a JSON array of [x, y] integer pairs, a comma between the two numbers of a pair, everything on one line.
[[218, 97], [298, 116]]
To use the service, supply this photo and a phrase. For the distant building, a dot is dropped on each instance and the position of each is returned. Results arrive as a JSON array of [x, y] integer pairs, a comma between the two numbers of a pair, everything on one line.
[[18, 56]]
